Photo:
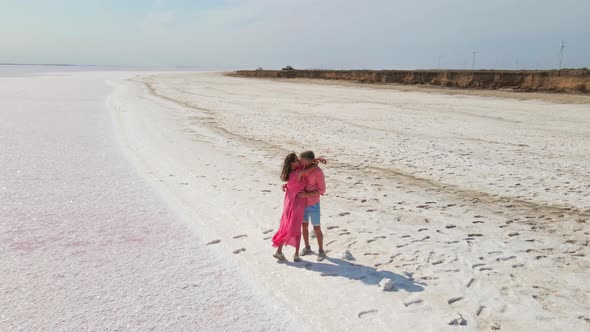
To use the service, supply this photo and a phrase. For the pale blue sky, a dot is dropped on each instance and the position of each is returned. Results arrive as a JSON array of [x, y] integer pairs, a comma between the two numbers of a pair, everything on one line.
[[304, 33]]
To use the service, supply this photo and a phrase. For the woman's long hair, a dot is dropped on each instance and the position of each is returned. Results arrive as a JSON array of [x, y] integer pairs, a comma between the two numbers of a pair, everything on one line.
[[289, 159]]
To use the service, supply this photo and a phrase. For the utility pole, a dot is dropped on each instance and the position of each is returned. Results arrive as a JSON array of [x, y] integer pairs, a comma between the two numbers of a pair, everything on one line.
[[473, 61], [561, 53]]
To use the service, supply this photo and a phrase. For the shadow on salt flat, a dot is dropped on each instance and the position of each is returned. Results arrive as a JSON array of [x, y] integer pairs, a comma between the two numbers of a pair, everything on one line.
[[365, 274]]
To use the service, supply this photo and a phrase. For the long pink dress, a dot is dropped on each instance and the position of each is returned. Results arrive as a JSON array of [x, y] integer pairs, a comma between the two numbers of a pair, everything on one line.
[[289, 232]]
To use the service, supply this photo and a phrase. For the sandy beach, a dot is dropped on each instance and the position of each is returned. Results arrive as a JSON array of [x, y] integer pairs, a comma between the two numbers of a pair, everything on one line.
[[148, 200]]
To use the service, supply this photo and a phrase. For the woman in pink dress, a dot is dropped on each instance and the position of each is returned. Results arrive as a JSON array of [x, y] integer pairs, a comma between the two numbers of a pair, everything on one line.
[[289, 232]]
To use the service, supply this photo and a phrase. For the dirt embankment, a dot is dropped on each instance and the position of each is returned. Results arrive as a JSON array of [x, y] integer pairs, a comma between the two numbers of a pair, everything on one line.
[[565, 80]]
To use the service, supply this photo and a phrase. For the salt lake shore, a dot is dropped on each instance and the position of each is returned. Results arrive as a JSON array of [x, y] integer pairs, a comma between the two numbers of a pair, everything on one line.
[[148, 200]]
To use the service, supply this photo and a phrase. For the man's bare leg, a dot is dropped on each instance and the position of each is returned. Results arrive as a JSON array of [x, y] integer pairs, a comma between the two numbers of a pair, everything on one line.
[[305, 231], [320, 236]]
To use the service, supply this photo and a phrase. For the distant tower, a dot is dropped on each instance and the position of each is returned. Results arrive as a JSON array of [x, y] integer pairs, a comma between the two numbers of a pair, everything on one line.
[[561, 53], [473, 61]]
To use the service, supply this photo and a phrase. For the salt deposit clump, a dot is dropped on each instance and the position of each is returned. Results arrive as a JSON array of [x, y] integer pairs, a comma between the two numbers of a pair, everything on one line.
[[457, 319], [387, 285], [347, 255]]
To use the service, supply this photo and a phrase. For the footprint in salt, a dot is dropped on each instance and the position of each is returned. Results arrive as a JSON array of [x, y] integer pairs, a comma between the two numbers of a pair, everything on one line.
[[422, 239], [267, 231], [412, 300], [501, 259], [365, 313], [454, 299], [237, 251], [213, 242], [479, 310], [329, 243], [240, 236]]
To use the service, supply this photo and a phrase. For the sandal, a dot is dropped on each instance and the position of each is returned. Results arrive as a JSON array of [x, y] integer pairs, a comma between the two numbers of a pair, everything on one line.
[[305, 251], [279, 256]]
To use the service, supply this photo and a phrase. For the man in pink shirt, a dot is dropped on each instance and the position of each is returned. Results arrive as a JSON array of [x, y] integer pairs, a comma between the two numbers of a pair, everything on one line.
[[315, 186]]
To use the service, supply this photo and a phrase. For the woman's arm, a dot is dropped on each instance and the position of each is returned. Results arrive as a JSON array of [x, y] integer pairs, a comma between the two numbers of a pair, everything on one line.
[[302, 172], [320, 160]]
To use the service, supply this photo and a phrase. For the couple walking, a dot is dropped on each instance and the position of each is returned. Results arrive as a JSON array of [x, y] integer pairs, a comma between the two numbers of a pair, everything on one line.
[[305, 183]]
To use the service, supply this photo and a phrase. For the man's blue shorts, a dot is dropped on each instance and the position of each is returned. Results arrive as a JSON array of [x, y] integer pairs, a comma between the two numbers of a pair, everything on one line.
[[312, 213]]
